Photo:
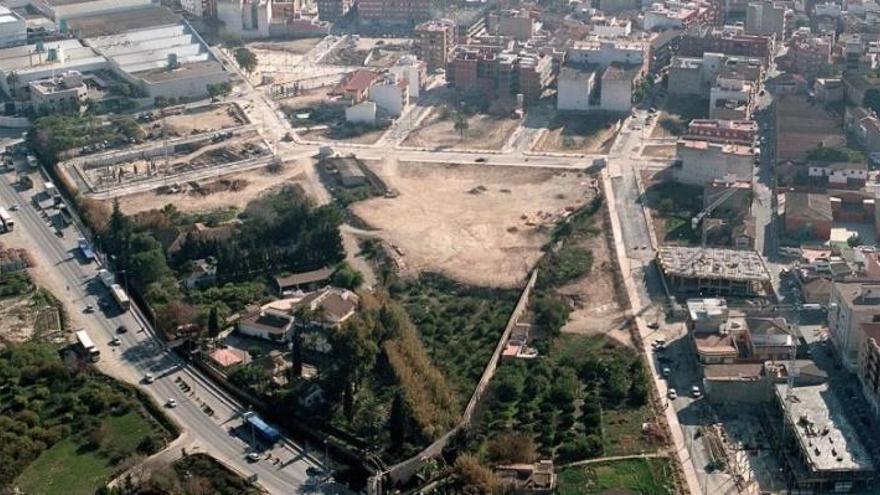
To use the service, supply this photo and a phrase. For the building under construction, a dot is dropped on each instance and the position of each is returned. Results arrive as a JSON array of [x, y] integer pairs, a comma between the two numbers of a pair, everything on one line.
[[820, 446], [713, 271]]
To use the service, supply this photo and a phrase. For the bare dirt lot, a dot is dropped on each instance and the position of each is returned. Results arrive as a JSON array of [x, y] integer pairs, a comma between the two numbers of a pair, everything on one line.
[[209, 119], [484, 132], [578, 133], [326, 135], [659, 150], [596, 302], [248, 186], [480, 225]]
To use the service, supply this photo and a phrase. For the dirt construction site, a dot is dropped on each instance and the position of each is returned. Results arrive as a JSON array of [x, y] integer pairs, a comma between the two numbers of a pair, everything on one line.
[[483, 132], [480, 225]]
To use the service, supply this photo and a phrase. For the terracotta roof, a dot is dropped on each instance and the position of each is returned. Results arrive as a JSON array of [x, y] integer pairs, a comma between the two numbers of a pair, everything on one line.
[[226, 358], [359, 80]]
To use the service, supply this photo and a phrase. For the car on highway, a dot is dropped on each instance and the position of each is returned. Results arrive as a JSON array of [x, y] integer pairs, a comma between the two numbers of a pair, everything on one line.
[[121, 329], [695, 391], [116, 342], [253, 457], [672, 394], [171, 403], [654, 326], [13, 208], [666, 372], [149, 378], [89, 309], [481, 159]]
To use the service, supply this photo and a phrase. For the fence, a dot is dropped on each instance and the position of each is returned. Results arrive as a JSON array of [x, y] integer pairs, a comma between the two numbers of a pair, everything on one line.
[[403, 471]]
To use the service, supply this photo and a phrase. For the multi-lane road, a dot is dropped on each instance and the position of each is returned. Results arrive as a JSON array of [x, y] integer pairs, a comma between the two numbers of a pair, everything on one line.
[[220, 434]]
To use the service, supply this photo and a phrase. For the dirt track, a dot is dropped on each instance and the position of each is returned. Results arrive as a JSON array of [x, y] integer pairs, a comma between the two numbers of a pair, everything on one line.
[[480, 225]]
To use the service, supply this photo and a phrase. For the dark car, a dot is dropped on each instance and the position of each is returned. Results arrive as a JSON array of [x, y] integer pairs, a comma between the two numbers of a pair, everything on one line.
[[121, 329], [480, 160]]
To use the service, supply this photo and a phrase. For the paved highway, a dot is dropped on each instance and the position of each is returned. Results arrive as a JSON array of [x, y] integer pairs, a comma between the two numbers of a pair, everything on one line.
[[140, 352]]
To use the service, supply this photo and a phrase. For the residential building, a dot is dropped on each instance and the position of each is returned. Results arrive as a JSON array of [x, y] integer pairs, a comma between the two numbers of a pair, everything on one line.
[[333, 10], [808, 215], [617, 87], [700, 161], [610, 27], [864, 125], [661, 47], [765, 18], [434, 42], [303, 281], [868, 369], [390, 94], [394, 12], [852, 304], [575, 87], [361, 113], [713, 271], [500, 73], [355, 86], [604, 53], [829, 90], [323, 308], [731, 98], [676, 15], [65, 92], [413, 71], [808, 55], [851, 175], [200, 8], [697, 76], [516, 24], [13, 28], [245, 19], [729, 40], [742, 132]]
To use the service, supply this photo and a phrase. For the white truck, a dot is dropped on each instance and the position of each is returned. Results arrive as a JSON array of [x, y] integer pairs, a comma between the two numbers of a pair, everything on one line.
[[6, 222], [120, 297], [87, 346]]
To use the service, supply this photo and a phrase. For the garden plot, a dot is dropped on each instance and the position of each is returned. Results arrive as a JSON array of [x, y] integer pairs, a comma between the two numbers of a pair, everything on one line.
[[479, 225]]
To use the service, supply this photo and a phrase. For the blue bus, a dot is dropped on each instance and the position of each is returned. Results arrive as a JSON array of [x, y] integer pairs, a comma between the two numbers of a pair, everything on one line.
[[262, 428]]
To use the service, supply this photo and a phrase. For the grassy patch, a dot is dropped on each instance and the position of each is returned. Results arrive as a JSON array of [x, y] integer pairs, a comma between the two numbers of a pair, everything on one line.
[[72, 466], [66, 468], [565, 265], [459, 325], [16, 284], [676, 204], [642, 476]]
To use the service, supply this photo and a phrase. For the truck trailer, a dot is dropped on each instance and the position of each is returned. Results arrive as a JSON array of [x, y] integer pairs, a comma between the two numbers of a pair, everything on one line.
[[120, 297]]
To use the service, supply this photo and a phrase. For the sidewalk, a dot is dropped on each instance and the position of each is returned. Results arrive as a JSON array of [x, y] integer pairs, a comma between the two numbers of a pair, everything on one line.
[[678, 444]]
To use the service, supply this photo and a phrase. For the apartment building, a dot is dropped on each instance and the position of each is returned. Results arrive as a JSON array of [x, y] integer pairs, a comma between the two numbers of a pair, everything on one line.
[[868, 369], [808, 55], [333, 10], [499, 73], [729, 40], [852, 304], [765, 18], [699, 162], [394, 12], [434, 42], [604, 53]]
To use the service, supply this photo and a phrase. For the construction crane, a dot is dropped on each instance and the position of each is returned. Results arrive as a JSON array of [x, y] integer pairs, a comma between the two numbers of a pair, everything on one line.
[[699, 217]]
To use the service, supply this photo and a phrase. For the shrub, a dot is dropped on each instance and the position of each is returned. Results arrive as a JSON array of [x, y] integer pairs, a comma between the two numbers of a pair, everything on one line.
[[511, 448], [551, 313], [581, 448]]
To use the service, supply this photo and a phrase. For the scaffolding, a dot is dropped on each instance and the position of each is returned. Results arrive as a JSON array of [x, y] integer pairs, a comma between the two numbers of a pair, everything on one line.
[[714, 271]]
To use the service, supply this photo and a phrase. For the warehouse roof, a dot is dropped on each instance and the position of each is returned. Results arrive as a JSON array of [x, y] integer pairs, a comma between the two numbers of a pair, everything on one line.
[[120, 22], [194, 69]]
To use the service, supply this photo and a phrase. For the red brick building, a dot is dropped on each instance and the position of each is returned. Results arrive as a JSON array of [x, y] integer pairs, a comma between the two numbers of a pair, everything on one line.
[[434, 42], [498, 73], [808, 214], [723, 131]]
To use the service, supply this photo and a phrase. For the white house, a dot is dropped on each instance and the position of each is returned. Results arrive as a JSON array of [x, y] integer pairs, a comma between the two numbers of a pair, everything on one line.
[[390, 94]]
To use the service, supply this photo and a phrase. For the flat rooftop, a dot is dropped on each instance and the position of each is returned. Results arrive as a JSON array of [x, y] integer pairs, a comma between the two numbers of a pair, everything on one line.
[[120, 22], [192, 69], [712, 263], [827, 439]]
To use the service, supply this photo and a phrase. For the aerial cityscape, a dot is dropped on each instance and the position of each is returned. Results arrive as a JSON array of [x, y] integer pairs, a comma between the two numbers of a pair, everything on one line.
[[439, 246]]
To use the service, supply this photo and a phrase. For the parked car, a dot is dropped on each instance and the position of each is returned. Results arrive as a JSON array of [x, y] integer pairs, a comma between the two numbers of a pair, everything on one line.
[[171, 403], [695, 391], [121, 329], [666, 372], [253, 457], [672, 394], [149, 378]]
